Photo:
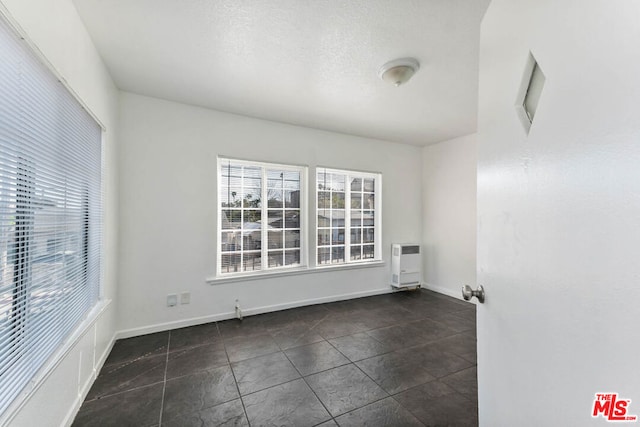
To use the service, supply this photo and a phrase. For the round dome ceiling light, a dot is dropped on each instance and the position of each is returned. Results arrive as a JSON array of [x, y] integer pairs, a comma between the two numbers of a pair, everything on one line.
[[399, 71]]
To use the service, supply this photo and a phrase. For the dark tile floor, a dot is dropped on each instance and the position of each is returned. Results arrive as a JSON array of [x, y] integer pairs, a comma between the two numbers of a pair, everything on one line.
[[401, 359]]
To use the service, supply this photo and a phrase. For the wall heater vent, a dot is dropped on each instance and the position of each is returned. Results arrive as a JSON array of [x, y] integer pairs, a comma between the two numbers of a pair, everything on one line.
[[405, 266]]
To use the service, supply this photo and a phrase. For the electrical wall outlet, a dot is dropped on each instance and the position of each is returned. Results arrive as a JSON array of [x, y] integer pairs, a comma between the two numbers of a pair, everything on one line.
[[185, 298], [172, 300]]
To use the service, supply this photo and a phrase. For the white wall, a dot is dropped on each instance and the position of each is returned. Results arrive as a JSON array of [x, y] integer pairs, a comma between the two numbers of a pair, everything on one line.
[[57, 31], [168, 210], [449, 215], [558, 213]]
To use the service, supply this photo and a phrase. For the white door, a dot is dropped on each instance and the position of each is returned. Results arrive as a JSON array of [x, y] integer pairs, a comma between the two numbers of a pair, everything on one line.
[[559, 214]]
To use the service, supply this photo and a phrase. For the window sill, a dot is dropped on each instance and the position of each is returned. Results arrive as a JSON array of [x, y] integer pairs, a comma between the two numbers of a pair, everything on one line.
[[291, 272]]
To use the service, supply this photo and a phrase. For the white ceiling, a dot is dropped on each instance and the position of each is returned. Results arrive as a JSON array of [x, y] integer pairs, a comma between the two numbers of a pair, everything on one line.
[[310, 63]]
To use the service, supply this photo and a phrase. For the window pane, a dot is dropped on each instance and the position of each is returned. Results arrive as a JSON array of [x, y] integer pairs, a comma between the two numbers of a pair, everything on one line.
[[291, 176], [275, 198], [356, 252], [337, 255], [368, 218], [251, 198], [252, 240], [274, 184], [337, 182], [292, 257], [275, 218], [368, 235], [275, 175], [251, 220], [369, 185], [231, 219], [356, 235], [231, 263], [324, 218], [252, 176], [324, 200], [356, 218], [292, 180], [231, 242], [231, 175], [275, 240], [356, 200], [292, 199], [324, 236], [252, 261], [276, 258], [323, 181], [292, 238], [356, 184], [292, 219], [230, 197], [369, 201], [337, 200], [337, 218], [324, 256], [367, 252], [337, 236]]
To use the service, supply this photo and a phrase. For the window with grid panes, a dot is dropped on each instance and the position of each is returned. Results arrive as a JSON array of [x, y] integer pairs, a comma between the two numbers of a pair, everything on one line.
[[260, 216], [348, 216]]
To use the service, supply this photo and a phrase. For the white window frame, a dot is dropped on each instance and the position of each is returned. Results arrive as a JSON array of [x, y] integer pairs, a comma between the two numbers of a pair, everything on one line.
[[377, 242], [265, 269]]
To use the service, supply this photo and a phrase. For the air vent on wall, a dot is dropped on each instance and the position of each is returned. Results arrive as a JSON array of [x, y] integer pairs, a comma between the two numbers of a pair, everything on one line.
[[530, 92]]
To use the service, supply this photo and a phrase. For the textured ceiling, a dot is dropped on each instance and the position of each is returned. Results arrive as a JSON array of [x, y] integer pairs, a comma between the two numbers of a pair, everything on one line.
[[310, 63]]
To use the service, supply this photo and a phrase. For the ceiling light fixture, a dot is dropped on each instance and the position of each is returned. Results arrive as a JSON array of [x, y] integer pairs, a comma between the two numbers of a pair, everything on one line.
[[399, 71]]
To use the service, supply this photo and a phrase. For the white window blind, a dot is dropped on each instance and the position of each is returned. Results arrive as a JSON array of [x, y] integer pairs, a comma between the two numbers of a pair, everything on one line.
[[260, 212], [348, 216], [50, 214]]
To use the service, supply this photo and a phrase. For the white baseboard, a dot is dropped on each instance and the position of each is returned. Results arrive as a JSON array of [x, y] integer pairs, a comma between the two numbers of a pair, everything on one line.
[[457, 294], [159, 327]]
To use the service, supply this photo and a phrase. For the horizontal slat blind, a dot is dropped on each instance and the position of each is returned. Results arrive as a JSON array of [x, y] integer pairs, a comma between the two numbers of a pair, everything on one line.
[[50, 214]]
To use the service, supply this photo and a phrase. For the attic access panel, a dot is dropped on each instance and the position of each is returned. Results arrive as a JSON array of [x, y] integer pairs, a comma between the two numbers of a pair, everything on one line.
[[530, 91]]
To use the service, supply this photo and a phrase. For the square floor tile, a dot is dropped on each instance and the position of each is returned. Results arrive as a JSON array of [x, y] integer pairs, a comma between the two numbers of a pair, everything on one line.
[[359, 346], [194, 336], [464, 382], [344, 389], [139, 407], [317, 357], [246, 347], [384, 413], [437, 404], [438, 363], [457, 323], [128, 349], [289, 404], [463, 345], [338, 326], [119, 377], [398, 336], [196, 359], [395, 372], [263, 372], [193, 393], [226, 414], [295, 336]]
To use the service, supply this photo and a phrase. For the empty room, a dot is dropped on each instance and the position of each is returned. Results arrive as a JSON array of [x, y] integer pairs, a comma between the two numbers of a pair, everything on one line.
[[269, 213]]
